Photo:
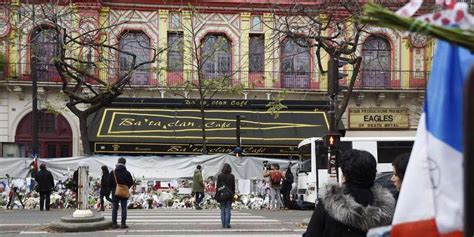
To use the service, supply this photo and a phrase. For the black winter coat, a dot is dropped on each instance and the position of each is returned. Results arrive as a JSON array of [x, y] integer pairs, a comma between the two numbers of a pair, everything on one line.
[[123, 177], [287, 183], [45, 180], [338, 214], [75, 179], [228, 180], [104, 185]]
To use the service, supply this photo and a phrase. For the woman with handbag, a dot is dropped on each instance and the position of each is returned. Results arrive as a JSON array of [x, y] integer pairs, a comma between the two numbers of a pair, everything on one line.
[[120, 181], [225, 193]]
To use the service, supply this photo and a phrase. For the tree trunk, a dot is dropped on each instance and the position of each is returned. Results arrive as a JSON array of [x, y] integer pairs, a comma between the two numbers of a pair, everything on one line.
[[203, 127], [84, 134], [345, 102]]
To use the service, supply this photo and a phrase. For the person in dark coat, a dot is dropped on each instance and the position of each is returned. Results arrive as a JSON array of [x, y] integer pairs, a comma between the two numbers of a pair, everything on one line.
[[226, 178], [123, 177], [198, 186], [45, 185], [104, 187], [75, 181], [351, 209], [286, 186], [399, 167]]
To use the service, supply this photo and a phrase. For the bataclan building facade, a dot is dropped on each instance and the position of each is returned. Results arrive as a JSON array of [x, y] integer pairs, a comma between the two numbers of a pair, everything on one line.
[[153, 116]]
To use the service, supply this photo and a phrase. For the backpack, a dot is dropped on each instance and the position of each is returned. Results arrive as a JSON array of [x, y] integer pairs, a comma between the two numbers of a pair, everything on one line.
[[275, 177]]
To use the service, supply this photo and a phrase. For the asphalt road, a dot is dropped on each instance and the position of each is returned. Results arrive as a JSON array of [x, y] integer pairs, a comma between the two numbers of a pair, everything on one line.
[[164, 222]]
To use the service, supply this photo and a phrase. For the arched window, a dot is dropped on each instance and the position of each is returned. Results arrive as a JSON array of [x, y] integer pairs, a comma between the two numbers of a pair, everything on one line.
[[55, 135], [42, 52], [138, 44], [295, 64], [376, 62], [216, 56]]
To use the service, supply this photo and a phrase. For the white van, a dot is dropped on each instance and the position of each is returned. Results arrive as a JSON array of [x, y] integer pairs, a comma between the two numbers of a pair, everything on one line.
[[312, 172]]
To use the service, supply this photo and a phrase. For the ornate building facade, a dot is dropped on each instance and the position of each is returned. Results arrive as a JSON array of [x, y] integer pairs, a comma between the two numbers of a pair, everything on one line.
[[387, 99]]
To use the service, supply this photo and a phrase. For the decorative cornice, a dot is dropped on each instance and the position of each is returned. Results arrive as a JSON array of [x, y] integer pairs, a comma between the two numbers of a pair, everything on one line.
[[104, 11], [163, 13], [187, 14], [268, 16], [245, 15], [360, 97], [15, 3], [400, 98], [380, 99], [18, 90]]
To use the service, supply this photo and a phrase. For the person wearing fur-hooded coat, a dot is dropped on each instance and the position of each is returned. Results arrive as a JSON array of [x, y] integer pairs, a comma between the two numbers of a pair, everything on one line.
[[351, 209]]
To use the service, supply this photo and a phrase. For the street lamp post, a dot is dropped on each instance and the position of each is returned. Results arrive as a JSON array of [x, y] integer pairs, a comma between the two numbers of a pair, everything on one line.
[[334, 135], [34, 93], [238, 148], [34, 102]]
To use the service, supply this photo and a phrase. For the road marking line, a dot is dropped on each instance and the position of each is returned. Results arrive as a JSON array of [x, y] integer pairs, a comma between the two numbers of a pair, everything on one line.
[[189, 217], [14, 224], [206, 230], [195, 221], [172, 214], [175, 211], [33, 232], [179, 212], [207, 224]]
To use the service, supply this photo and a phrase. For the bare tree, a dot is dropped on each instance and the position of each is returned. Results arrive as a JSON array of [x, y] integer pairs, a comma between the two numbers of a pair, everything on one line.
[[208, 65], [83, 54], [332, 29]]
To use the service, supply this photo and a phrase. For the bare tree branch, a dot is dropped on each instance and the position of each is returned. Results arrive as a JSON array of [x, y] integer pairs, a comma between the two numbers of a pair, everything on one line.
[[79, 57]]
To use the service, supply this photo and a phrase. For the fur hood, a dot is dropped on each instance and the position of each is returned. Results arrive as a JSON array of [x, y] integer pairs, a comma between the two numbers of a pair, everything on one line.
[[345, 209]]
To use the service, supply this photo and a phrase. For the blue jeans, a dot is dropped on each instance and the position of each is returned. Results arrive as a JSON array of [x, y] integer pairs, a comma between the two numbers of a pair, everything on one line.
[[115, 205], [225, 213], [275, 197], [199, 197]]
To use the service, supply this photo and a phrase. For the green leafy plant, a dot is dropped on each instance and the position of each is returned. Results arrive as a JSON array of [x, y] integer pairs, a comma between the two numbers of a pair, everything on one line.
[[275, 106]]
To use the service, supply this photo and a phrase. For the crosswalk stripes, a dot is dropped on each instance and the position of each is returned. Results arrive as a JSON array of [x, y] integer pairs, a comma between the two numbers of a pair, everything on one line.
[[174, 222], [193, 217]]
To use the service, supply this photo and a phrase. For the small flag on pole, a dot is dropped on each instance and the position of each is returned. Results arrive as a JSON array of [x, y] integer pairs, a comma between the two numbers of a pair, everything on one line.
[[431, 198]]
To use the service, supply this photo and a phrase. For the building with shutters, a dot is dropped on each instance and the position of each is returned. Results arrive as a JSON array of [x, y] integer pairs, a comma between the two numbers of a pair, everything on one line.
[[387, 98]]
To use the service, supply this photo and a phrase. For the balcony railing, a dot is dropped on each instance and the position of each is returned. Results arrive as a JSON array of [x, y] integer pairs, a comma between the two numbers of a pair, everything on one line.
[[367, 80], [373, 79]]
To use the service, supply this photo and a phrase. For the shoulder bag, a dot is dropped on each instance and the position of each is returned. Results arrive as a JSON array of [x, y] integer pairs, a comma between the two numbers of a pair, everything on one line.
[[223, 193], [121, 190]]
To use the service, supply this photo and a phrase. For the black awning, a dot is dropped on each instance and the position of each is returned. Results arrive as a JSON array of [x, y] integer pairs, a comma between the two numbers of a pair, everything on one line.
[[140, 129]]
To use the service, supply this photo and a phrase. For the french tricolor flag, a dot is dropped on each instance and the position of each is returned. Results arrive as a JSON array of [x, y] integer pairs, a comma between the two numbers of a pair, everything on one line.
[[431, 198]]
